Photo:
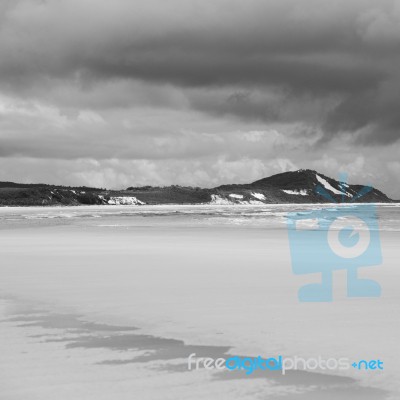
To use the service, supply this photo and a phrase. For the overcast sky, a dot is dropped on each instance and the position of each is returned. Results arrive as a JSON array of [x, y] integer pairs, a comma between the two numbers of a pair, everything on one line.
[[127, 92]]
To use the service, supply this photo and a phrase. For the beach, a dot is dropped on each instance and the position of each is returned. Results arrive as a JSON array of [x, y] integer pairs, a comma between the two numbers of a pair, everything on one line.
[[104, 302]]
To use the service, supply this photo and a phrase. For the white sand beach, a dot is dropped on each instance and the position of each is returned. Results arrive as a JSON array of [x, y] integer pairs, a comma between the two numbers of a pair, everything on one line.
[[176, 276]]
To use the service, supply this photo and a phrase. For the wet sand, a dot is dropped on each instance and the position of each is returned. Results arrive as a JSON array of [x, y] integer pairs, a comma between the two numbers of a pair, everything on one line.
[[160, 356]]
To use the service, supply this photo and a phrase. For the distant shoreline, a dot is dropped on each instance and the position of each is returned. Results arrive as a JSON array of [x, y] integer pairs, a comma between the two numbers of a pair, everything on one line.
[[394, 203]]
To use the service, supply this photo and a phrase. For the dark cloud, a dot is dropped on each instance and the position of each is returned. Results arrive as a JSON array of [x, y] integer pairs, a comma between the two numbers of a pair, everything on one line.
[[302, 48]]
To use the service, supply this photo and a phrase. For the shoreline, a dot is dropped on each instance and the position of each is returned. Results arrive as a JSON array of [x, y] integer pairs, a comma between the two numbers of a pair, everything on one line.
[[58, 206]]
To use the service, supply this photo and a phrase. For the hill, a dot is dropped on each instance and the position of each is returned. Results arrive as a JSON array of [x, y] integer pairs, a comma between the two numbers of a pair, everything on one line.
[[302, 186]]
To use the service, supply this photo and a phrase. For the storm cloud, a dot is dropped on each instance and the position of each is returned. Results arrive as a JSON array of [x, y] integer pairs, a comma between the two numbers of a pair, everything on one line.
[[190, 82]]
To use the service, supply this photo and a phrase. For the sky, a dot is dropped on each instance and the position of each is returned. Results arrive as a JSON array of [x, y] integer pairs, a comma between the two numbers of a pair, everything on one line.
[[201, 93]]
